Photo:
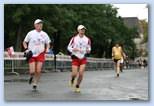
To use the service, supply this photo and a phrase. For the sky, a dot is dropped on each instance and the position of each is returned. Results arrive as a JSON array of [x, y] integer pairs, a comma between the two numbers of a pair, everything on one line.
[[133, 10]]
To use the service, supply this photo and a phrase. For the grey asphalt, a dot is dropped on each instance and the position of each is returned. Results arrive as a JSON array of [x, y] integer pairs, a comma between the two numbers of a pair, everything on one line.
[[97, 85]]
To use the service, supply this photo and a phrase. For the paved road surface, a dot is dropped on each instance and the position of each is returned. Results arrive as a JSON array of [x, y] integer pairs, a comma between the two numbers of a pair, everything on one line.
[[97, 85]]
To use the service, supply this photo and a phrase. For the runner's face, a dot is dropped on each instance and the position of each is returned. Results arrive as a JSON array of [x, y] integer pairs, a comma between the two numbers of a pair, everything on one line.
[[82, 31], [38, 26], [117, 45]]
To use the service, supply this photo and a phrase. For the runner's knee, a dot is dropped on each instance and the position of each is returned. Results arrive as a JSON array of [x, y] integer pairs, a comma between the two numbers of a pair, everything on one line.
[[31, 72]]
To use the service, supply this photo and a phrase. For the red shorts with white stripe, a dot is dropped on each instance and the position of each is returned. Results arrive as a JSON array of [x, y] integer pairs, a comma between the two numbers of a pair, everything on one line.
[[39, 58], [78, 62]]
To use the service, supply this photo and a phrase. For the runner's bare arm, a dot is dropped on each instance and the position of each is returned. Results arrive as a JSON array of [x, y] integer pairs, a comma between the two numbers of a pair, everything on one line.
[[47, 47], [123, 53], [89, 46], [25, 45], [112, 53], [70, 47]]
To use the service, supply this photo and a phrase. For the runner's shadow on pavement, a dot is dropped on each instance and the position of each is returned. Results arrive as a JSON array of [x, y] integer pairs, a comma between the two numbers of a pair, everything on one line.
[[33, 93], [73, 96]]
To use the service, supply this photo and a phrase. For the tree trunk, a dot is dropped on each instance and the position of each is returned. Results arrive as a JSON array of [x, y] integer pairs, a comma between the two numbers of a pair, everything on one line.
[[18, 43]]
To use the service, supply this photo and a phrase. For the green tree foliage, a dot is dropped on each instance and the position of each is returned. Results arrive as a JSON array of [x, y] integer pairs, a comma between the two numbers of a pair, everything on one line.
[[103, 26], [144, 26]]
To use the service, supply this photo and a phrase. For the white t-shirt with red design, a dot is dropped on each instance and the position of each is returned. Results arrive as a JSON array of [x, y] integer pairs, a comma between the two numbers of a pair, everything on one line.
[[36, 41], [81, 43]]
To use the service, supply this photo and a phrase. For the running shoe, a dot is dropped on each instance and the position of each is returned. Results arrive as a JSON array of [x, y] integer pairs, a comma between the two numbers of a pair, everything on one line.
[[34, 86], [71, 84], [77, 90]]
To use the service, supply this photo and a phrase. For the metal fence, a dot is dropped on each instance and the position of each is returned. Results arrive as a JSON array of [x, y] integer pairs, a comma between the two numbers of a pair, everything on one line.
[[17, 64]]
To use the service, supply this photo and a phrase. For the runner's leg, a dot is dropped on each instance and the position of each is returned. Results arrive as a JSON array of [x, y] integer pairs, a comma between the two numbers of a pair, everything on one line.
[[31, 71], [118, 68], [74, 73], [38, 72], [81, 73], [121, 67]]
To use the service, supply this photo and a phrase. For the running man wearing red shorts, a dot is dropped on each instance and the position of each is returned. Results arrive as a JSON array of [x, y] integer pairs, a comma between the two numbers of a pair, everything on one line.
[[38, 42], [79, 46]]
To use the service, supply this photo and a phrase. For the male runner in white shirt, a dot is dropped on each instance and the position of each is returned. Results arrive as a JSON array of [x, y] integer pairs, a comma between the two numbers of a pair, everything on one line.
[[38, 42], [79, 46]]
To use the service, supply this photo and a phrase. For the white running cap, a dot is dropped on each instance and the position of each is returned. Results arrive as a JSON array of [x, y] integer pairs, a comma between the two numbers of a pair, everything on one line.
[[81, 27], [38, 21]]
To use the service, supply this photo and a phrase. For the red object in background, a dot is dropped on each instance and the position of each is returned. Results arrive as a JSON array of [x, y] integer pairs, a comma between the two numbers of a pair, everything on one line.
[[10, 51]]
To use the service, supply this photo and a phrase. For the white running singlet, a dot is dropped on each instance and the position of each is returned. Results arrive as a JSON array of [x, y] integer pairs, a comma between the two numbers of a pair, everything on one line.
[[81, 43], [36, 41]]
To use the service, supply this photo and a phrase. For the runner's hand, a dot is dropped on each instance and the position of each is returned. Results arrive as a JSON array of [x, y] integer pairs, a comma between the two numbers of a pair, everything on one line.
[[112, 58], [87, 51], [26, 51], [76, 49], [47, 50]]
